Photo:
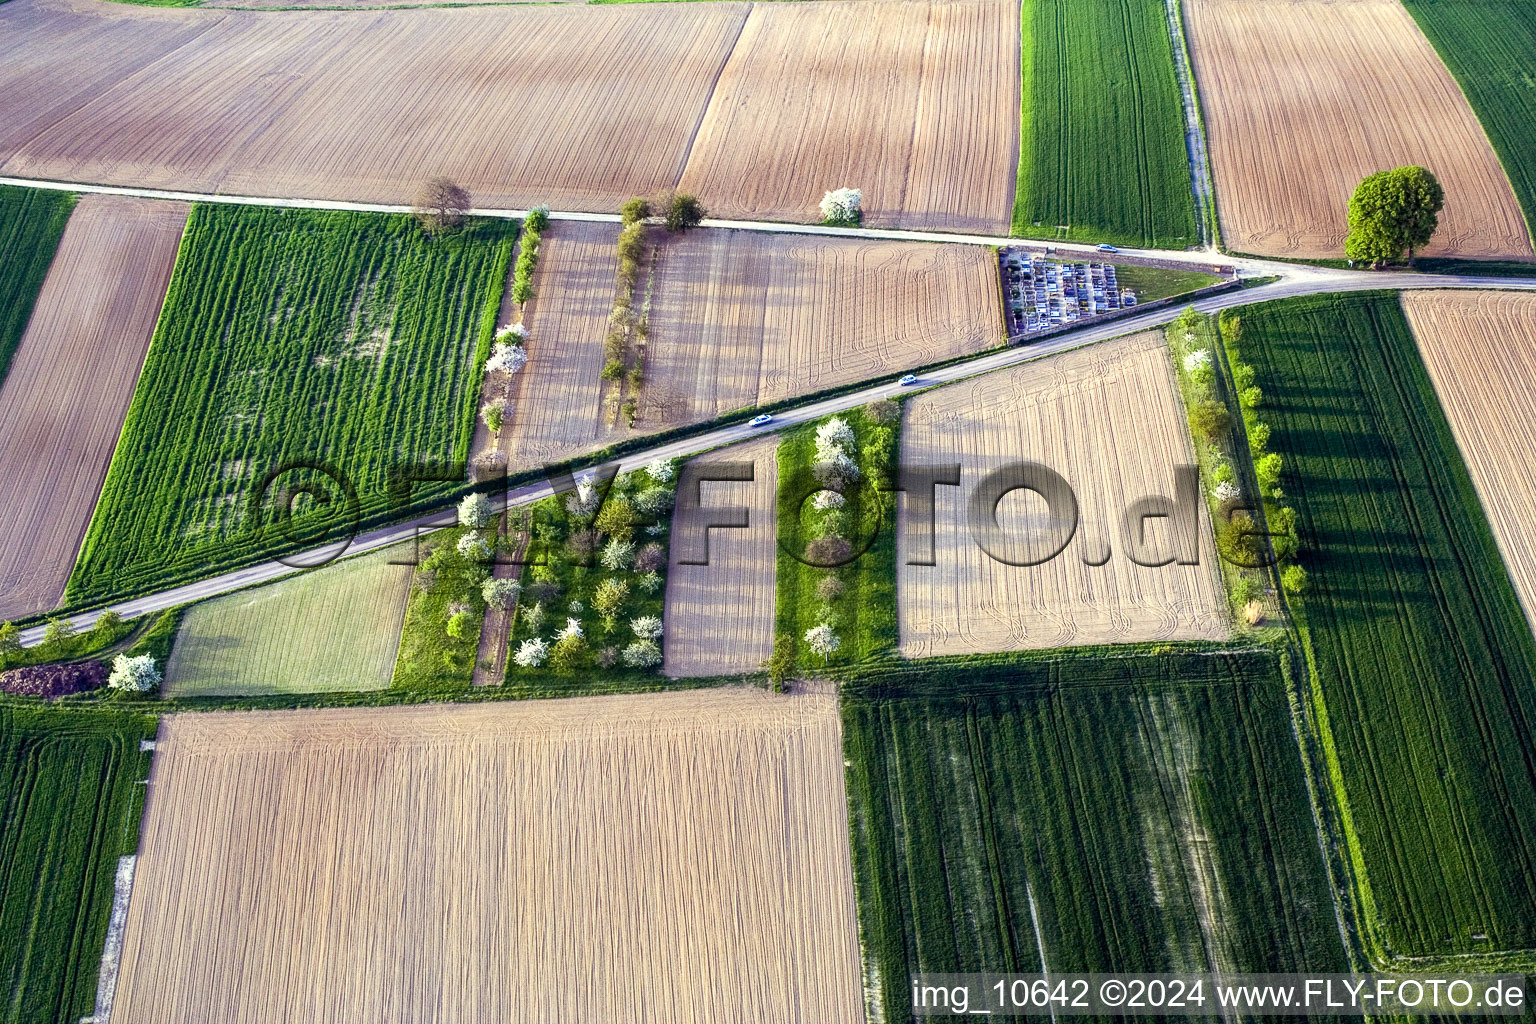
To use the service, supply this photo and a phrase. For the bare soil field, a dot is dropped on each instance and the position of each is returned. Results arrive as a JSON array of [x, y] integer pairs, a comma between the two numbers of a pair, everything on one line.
[[1303, 98], [336, 628], [1480, 350], [556, 405], [63, 401], [741, 318], [1107, 418], [719, 617], [916, 103], [676, 856], [578, 107]]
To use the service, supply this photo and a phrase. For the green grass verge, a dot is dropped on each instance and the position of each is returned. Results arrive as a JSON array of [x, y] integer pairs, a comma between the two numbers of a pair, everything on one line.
[[31, 223], [70, 803], [862, 605], [334, 628], [1487, 45], [1101, 143], [1422, 658], [429, 659], [1080, 813], [1153, 283], [292, 336]]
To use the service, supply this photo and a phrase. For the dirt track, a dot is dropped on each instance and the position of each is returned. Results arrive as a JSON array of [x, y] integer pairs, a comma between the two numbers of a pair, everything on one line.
[[680, 857], [1303, 98], [574, 105], [63, 402], [1110, 421], [719, 617], [1480, 349]]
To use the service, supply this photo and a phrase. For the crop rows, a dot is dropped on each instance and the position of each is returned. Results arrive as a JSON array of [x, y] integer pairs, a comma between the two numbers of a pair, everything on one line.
[[1142, 813], [1487, 44], [1422, 655], [296, 349], [1102, 153], [69, 807], [31, 222]]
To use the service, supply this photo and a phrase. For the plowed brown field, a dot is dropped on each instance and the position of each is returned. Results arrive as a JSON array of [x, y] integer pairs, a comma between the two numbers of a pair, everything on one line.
[[1303, 98], [678, 857], [578, 107], [719, 617], [1480, 348], [915, 103], [1109, 419], [574, 105], [62, 404], [741, 318], [557, 411]]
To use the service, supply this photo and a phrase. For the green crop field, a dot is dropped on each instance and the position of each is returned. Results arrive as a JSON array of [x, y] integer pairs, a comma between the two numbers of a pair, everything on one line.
[[309, 345], [335, 628], [1093, 809], [1421, 651], [31, 222], [1488, 46], [1101, 153], [70, 801]]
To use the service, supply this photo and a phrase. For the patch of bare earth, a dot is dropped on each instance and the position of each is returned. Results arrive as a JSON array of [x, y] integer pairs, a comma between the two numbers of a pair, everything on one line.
[[63, 401], [1303, 98], [915, 103], [1480, 349], [719, 616], [1108, 419], [741, 318], [676, 856]]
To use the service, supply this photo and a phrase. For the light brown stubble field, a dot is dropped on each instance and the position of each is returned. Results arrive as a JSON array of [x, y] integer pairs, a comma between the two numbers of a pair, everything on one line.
[[574, 105], [557, 408], [63, 401], [1480, 349], [1303, 98], [915, 103], [675, 856], [742, 318], [720, 616], [1109, 419]]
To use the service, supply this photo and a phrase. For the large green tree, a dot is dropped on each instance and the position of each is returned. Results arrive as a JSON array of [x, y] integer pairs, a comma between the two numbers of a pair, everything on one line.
[[1393, 211]]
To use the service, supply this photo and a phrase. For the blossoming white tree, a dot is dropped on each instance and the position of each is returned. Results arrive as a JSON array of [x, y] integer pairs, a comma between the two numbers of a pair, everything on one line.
[[500, 593], [512, 334], [642, 654], [136, 675], [843, 204], [475, 511], [825, 500], [474, 547], [823, 640], [572, 629], [618, 555], [662, 470], [532, 653], [1197, 360], [506, 359], [646, 627]]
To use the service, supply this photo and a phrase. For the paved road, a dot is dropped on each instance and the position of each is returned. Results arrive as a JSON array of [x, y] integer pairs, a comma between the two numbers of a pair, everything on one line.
[[1203, 260], [1299, 281]]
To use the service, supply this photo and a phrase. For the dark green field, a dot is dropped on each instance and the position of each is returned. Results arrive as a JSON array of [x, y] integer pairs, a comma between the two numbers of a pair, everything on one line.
[[1422, 653], [1490, 46], [1102, 154], [292, 337], [70, 801], [31, 222], [1109, 800]]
